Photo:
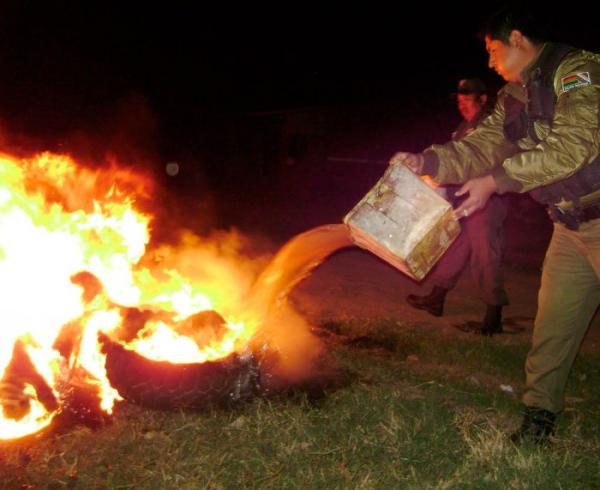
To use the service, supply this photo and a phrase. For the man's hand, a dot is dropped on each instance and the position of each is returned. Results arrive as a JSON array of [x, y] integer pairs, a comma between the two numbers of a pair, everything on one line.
[[414, 161], [479, 190]]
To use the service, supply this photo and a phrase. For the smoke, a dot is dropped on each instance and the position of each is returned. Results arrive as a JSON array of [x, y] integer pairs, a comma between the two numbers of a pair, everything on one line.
[[217, 264], [129, 133], [295, 354], [126, 130]]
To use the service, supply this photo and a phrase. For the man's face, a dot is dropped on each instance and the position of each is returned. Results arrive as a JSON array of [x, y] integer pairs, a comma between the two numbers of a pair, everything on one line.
[[469, 105], [508, 60]]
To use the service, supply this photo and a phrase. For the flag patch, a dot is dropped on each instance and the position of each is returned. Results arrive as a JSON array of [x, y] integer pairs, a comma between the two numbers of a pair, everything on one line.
[[574, 80]]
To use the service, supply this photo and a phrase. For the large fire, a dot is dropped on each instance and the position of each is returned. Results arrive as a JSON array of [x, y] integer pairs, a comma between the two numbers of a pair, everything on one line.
[[74, 264]]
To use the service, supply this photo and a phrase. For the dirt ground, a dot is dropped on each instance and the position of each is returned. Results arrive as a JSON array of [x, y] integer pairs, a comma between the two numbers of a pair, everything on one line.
[[354, 284]]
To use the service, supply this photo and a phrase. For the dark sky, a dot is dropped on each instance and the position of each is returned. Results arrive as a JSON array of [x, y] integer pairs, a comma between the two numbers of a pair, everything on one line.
[[64, 61]]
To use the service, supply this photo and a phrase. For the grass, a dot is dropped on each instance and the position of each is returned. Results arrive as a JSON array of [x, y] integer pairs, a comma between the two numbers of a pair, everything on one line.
[[423, 411]]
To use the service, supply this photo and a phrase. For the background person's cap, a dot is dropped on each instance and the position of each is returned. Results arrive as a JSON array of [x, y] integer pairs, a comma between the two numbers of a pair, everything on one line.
[[471, 86]]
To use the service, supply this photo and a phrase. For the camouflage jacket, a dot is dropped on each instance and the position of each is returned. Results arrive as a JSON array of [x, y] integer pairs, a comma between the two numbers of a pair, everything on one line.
[[566, 144]]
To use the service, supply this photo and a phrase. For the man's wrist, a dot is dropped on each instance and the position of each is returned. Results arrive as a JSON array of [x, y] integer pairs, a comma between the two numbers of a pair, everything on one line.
[[504, 183]]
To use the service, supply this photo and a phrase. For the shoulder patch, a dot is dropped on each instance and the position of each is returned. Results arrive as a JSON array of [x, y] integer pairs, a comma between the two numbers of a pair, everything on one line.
[[575, 79]]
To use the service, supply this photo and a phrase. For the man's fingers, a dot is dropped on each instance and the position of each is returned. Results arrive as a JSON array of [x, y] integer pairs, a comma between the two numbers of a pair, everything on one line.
[[467, 207], [479, 191], [463, 211], [399, 158], [462, 191]]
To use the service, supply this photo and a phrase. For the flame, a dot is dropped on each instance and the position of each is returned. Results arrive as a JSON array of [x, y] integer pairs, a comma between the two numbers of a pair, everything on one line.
[[36, 419], [160, 343], [74, 262]]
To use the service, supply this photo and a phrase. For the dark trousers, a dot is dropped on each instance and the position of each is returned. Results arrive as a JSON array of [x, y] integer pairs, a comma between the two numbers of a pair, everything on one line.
[[481, 244]]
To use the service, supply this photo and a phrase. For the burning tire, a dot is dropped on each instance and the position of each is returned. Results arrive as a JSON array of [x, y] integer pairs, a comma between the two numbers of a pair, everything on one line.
[[158, 384]]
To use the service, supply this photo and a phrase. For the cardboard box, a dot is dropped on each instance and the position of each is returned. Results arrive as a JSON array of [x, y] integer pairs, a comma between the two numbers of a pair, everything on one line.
[[403, 221]]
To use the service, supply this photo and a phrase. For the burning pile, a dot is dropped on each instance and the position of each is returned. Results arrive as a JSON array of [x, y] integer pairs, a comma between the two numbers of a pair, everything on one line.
[[88, 307]]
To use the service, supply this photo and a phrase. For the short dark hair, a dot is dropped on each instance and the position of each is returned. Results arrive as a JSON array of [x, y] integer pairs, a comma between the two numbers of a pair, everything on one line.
[[514, 17]]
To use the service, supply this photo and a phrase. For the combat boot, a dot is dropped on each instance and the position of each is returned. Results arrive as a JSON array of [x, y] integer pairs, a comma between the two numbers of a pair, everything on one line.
[[536, 428], [432, 303], [492, 322]]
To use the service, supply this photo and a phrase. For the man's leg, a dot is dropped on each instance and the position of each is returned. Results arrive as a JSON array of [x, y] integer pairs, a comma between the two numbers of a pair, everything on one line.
[[445, 276], [485, 230], [451, 265], [568, 297]]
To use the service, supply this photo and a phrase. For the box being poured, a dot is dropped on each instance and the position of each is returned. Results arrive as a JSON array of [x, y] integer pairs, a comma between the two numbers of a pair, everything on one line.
[[403, 221]]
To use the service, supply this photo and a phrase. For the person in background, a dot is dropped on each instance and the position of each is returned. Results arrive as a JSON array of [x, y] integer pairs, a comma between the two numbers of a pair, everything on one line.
[[543, 137], [481, 243]]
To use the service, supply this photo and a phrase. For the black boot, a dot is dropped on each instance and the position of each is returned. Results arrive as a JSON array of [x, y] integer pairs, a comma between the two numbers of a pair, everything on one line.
[[536, 428], [432, 303], [492, 322]]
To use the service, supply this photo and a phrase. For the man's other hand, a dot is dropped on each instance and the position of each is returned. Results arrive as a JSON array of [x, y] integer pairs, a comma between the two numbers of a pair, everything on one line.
[[414, 161], [479, 190]]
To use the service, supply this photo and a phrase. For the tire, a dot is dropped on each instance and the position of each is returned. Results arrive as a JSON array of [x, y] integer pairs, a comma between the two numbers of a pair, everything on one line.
[[164, 385]]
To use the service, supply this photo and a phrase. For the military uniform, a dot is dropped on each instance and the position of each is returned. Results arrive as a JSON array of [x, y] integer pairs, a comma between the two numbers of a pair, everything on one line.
[[481, 243], [543, 137]]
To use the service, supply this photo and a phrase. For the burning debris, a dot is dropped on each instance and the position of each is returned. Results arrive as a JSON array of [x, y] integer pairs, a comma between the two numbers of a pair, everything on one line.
[[90, 306], [92, 314], [161, 384]]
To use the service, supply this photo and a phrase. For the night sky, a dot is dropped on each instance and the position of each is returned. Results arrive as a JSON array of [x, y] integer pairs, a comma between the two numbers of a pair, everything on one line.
[[175, 76], [64, 60], [73, 57]]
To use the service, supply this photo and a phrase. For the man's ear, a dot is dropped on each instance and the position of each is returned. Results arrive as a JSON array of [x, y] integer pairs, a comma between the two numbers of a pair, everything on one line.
[[483, 98], [515, 38]]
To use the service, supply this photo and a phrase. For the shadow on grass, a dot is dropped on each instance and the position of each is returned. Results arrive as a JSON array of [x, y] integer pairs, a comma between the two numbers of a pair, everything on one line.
[[389, 335]]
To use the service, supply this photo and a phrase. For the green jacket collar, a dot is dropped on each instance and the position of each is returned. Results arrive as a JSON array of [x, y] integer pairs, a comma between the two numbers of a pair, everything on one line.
[[530, 68]]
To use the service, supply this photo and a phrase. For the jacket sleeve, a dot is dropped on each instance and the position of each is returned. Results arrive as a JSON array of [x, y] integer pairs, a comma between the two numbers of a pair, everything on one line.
[[573, 140], [474, 155]]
